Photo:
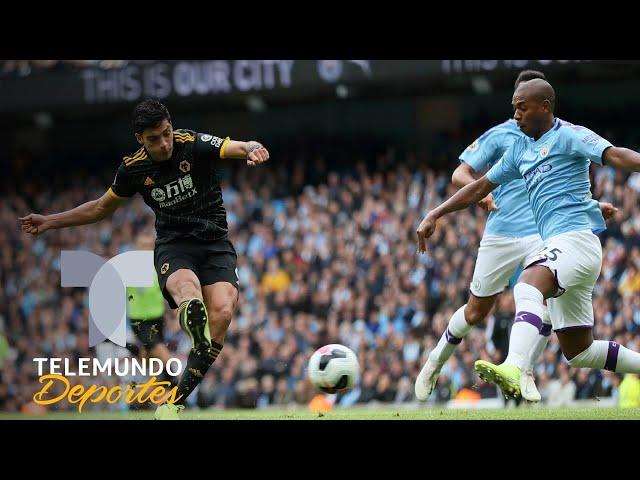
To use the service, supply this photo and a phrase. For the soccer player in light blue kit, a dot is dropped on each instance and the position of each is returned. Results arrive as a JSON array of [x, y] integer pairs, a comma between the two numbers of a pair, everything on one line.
[[511, 240], [553, 159]]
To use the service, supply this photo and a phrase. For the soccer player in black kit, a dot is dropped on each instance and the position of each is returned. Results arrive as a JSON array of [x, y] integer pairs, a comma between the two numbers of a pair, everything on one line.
[[176, 172]]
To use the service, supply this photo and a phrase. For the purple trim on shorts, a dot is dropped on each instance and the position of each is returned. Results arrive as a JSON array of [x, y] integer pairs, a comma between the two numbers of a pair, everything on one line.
[[612, 356], [555, 274], [545, 331], [560, 330], [452, 338], [530, 318]]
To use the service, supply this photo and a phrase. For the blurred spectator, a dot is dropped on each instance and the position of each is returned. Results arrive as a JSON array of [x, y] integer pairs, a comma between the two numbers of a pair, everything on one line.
[[275, 279], [629, 393], [560, 392]]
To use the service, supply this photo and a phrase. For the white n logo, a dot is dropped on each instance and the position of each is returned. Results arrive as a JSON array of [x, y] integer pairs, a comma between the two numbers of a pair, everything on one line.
[[107, 282]]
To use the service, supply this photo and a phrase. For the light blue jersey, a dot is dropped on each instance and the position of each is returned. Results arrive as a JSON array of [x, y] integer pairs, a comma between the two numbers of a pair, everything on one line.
[[555, 169], [513, 217]]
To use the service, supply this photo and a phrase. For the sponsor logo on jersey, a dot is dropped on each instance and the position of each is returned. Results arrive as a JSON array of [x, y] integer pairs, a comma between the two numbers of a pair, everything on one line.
[[174, 192], [537, 174], [158, 194], [206, 137], [185, 166]]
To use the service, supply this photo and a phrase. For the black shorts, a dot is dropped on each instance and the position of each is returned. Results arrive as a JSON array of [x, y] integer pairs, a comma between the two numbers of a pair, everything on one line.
[[211, 262], [149, 332]]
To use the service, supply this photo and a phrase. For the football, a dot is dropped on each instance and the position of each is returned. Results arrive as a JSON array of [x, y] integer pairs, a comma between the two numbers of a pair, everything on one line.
[[333, 368]]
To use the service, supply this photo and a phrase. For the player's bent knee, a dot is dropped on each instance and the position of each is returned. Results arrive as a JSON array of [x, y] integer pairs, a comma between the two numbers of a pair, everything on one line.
[[585, 359], [183, 284], [221, 315], [582, 360], [474, 315], [477, 309], [182, 276]]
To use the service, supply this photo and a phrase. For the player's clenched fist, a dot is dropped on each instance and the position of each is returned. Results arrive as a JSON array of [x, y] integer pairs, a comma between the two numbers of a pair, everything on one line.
[[257, 154]]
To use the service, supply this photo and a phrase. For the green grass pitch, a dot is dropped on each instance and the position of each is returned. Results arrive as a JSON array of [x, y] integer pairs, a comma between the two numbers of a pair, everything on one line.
[[381, 413]]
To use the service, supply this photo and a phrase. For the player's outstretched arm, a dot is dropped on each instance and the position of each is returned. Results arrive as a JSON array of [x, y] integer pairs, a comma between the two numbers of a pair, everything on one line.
[[462, 176], [622, 158], [463, 198], [254, 152], [89, 212]]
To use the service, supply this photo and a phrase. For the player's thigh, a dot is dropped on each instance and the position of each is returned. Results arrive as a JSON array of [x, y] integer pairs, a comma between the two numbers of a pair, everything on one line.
[[220, 298], [574, 258], [572, 310], [497, 261], [175, 265], [219, 277]]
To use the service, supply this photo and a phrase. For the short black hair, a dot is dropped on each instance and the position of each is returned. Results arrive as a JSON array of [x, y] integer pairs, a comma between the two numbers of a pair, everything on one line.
[[527, 75], [149, 113]]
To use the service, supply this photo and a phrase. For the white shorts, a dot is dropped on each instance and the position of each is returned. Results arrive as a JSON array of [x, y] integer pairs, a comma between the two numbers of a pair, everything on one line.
[[498, 259], [575, 258]]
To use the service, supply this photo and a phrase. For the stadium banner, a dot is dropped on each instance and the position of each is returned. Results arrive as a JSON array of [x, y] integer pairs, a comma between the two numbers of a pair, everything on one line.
[[202, 79]]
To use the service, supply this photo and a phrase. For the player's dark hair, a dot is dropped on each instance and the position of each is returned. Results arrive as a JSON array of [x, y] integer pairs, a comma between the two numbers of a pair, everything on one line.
[[148, 114], [527, 75]]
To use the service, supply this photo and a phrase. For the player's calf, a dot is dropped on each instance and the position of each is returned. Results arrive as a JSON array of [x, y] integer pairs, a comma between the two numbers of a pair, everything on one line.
[[221, 299], [599, 354]]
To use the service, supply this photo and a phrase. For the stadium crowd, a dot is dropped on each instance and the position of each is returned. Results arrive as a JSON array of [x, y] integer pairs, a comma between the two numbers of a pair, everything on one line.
[[326, 254]]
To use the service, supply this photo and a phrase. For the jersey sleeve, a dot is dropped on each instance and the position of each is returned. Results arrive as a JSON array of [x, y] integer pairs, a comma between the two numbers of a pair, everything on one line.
[[587, 143], [123, 185], [209, 146], [505, 170], [483, 151]]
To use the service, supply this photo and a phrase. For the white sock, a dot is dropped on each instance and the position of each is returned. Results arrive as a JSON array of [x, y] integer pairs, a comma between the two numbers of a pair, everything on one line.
[[527, 324], [609, 356], [451, 338], [541, 341]]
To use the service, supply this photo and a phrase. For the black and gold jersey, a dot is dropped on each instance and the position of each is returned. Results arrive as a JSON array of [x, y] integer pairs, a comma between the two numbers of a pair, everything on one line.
[[184, 192]]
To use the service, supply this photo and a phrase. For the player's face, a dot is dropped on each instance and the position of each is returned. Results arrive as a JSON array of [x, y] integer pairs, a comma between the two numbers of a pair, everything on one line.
[[158, 141], [528, 113]]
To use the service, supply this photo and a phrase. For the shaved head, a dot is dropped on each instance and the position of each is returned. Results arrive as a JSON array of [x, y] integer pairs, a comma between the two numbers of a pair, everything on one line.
[[533, 104], [537, 90]]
